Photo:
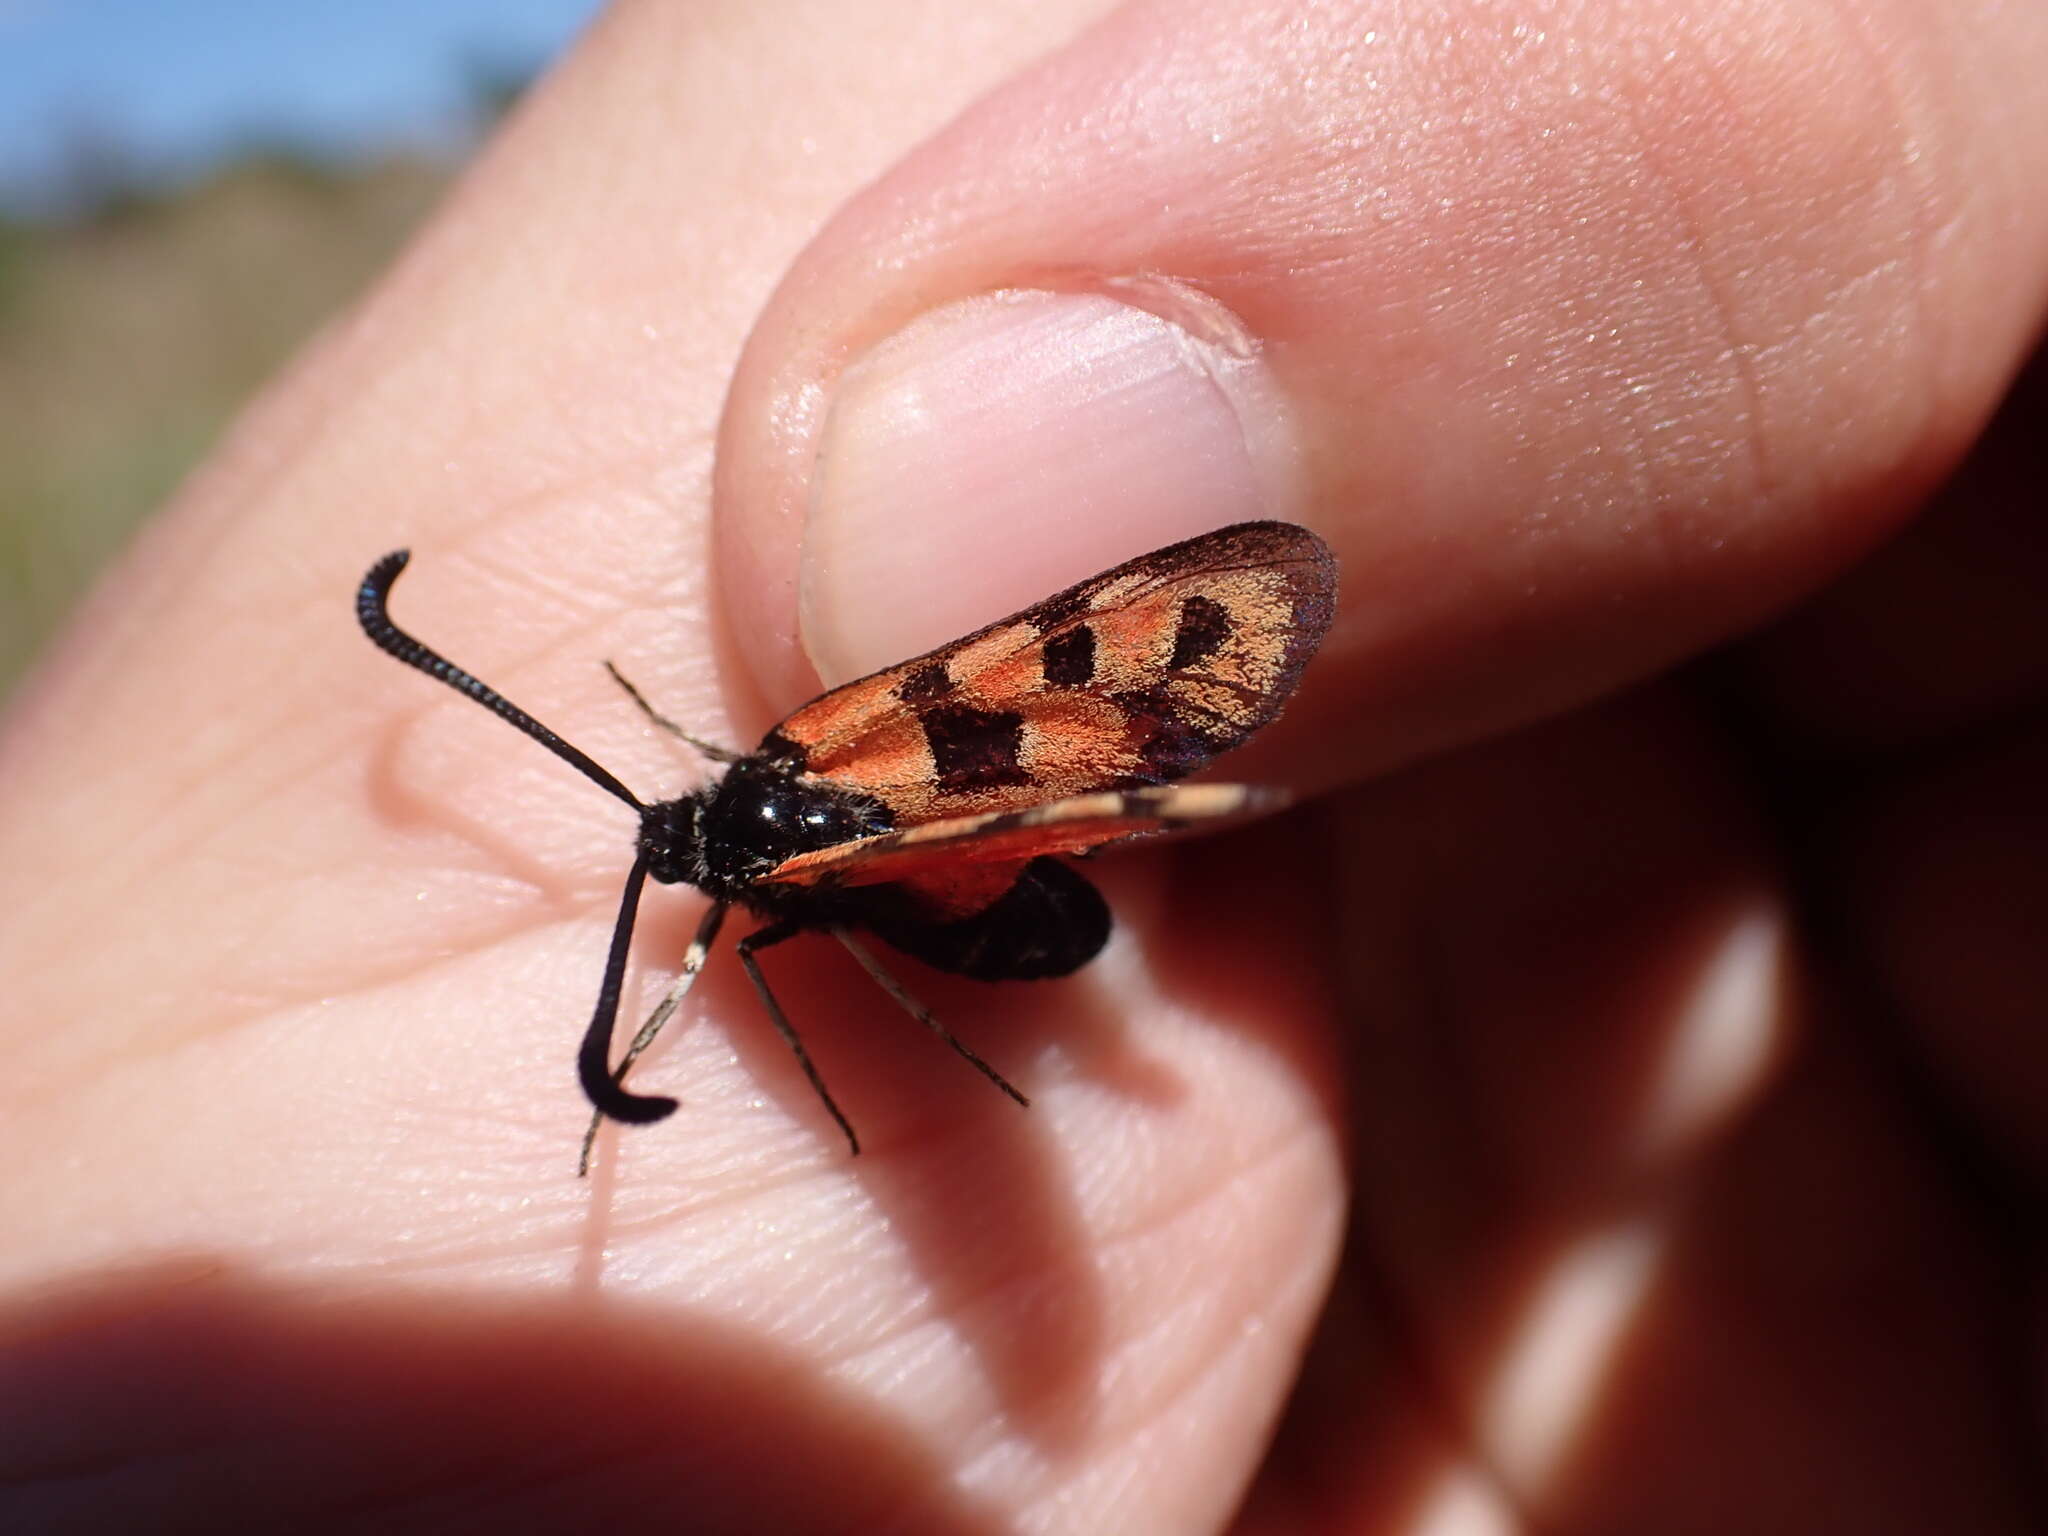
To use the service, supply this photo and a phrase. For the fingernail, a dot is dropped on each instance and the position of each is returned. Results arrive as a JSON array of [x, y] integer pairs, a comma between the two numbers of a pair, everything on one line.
[[999, 449]]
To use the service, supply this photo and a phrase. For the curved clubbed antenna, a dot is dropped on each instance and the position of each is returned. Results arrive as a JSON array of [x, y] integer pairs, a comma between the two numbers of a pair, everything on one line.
[[373, 611], [594, 1057], [599, 1082]]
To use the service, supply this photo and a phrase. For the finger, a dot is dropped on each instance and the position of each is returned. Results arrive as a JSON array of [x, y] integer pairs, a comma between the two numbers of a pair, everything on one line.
[[1937, 872], [1586, 346], [1643, 1241], [1903, 711], [1939, 634]]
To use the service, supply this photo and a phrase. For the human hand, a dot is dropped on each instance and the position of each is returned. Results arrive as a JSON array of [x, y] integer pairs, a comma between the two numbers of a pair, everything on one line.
[[1662, 1039]]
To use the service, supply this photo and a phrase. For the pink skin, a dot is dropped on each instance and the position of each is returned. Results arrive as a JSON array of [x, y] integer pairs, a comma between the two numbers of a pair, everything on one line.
[[1675, 1062]]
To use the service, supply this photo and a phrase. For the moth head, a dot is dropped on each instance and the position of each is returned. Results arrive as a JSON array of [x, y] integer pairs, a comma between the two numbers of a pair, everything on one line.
[[671, 839]]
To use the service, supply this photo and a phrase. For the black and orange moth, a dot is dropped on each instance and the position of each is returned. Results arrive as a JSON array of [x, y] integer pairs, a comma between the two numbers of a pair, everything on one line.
[[930, 803]]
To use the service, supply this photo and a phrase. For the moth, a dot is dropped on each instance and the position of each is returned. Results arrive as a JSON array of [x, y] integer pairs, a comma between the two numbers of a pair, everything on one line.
[[933, 804]]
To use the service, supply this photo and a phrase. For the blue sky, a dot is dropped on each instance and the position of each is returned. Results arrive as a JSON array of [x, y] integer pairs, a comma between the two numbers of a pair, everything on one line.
[[173, 83]]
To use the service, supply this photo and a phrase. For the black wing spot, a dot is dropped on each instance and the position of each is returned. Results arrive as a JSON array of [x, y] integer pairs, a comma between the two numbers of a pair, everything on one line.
[[1070, 658], [1204, 626], [925, 683], [975, 748], [1170, 745], [1060, 609]]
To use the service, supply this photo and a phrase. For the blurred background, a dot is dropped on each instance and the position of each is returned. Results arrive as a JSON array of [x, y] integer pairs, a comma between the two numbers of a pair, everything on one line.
[[187, 189]]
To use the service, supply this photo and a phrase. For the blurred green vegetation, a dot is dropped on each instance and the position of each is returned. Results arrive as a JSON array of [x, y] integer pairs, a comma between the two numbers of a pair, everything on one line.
[[130, 335]]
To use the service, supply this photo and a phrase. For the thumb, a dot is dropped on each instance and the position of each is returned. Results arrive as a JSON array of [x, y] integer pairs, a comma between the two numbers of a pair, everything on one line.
[[1585, 348]]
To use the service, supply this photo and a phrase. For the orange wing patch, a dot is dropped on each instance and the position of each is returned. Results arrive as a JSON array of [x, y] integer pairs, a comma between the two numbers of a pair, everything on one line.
[[1135, 677]]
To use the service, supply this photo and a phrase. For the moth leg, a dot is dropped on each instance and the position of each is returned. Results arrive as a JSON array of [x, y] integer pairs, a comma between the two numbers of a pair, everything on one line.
[[922, 1014], [693, 962], [761, 938], [716, 753]]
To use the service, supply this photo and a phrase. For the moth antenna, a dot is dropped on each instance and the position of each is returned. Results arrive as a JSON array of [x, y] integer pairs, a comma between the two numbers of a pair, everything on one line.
[[373, 612], [712, 750], [693, 962], [593, 1058]]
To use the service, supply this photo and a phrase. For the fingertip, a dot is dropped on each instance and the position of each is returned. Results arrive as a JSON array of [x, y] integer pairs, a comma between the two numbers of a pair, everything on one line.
[[1000, 448]]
